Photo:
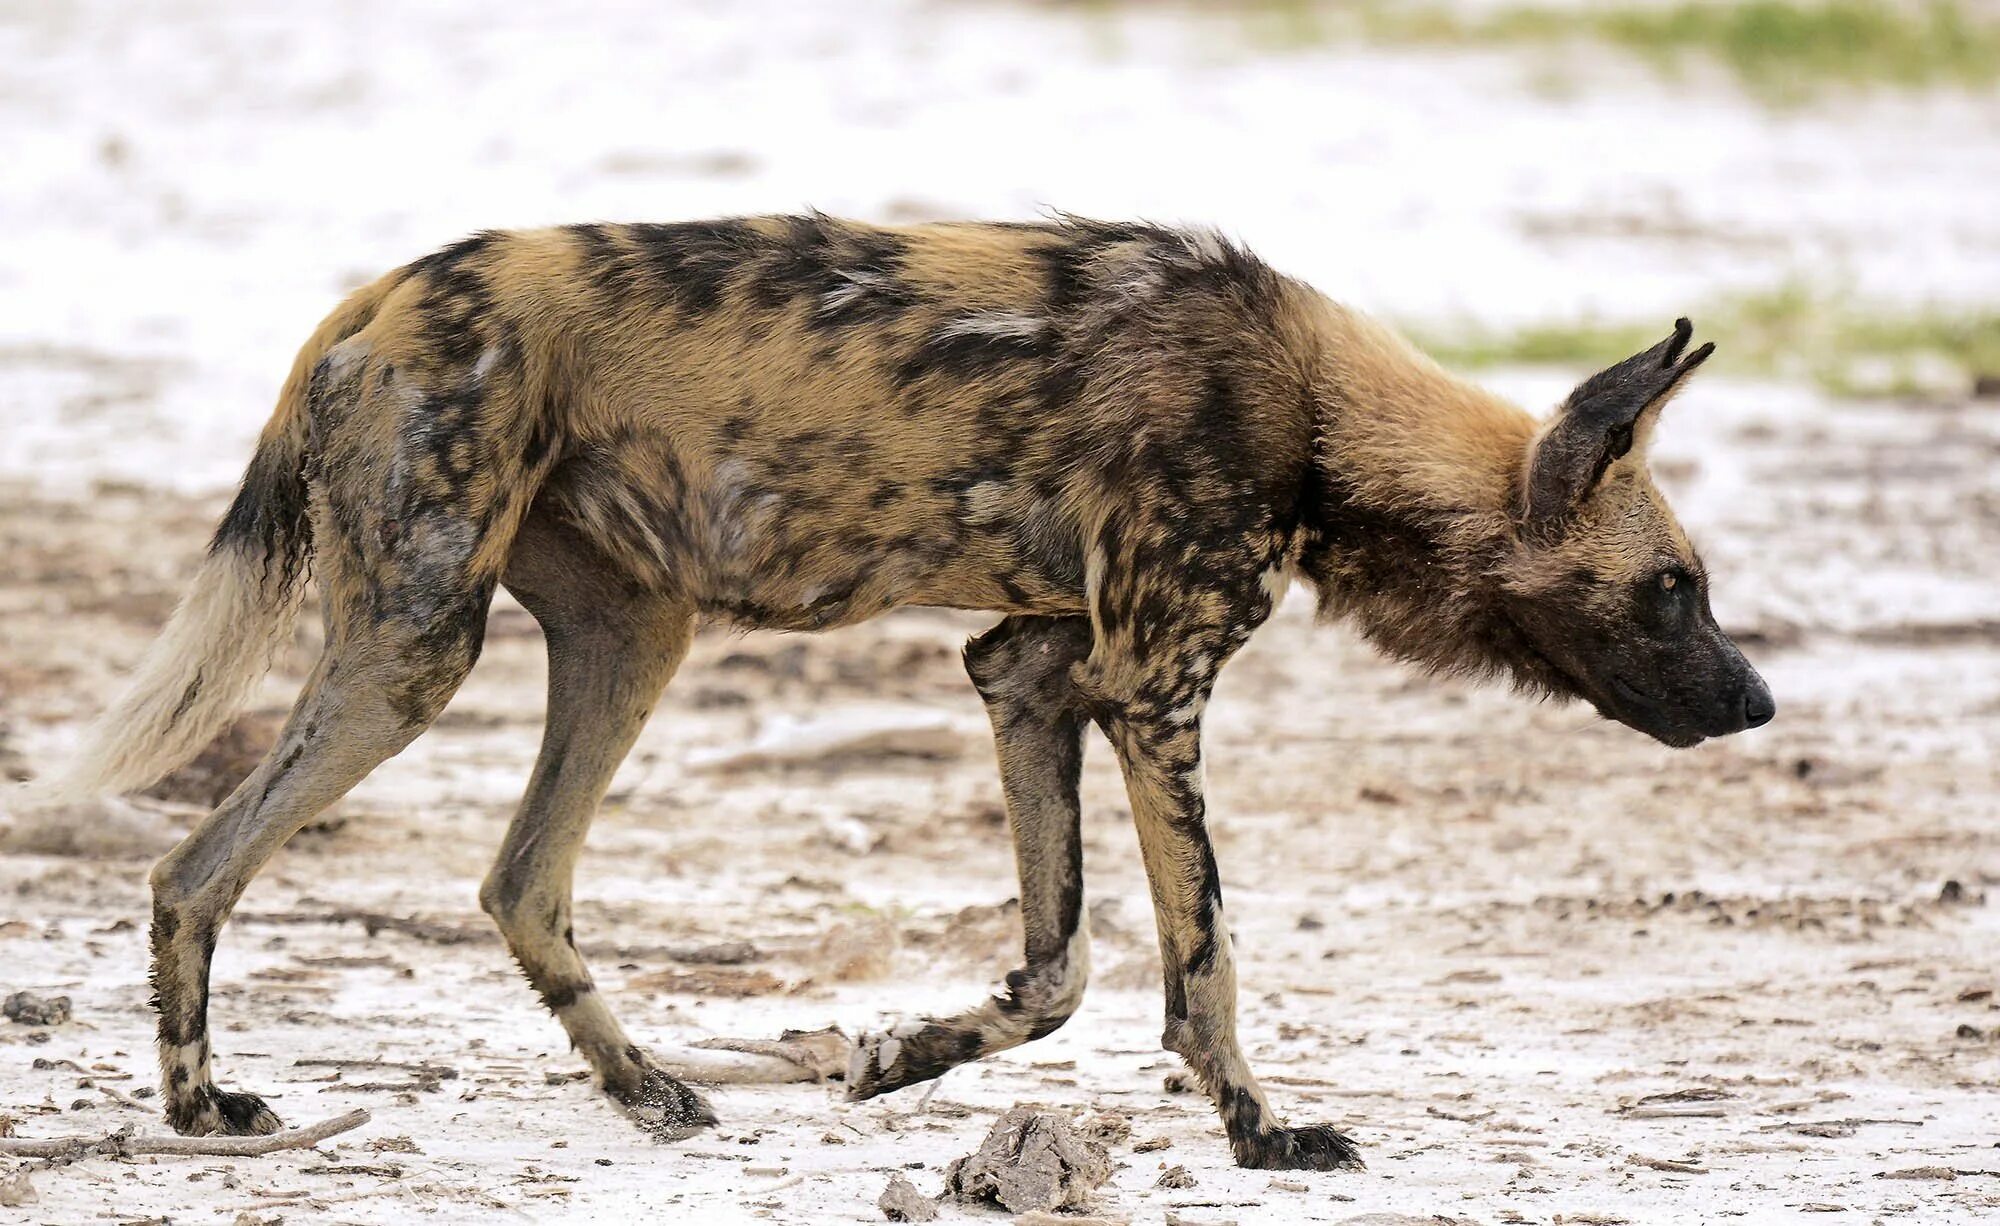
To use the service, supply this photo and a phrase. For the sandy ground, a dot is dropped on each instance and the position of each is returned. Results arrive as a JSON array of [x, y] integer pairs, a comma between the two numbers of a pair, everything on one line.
[[1541, 969]]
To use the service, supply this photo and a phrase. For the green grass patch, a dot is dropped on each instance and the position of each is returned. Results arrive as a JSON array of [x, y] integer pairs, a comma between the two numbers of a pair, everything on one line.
[[1781, 50], [1846, 349]]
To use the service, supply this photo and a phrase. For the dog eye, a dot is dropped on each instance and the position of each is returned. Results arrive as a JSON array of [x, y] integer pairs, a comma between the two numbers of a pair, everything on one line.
[[1668, 580]]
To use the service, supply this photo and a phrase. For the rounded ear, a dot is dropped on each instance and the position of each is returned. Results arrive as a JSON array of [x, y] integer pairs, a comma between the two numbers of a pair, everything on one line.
[[1600, 422]]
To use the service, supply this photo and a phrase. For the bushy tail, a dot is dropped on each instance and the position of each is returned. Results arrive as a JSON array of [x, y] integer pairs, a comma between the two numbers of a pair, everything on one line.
[[238, 611]]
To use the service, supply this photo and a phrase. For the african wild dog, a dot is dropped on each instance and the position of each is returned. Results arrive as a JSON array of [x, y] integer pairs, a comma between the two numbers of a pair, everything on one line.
[[1125, 439]]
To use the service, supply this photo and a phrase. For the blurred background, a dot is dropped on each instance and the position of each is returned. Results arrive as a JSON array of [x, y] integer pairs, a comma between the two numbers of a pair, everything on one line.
[[193, 182], [1510, 924]]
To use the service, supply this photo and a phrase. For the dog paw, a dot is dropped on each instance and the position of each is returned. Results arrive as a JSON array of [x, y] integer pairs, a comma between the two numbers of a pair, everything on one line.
[[213, 1112], [887, 1060], [666, 1109], [1316, 1147]]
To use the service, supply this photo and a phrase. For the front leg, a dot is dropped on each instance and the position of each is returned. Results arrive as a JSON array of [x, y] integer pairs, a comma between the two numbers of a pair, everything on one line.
[[1150, 703], [1022, 669]]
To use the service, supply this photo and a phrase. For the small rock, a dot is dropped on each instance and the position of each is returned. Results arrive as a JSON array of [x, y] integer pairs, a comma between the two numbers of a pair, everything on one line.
[[1174, 1177], [1919, 1172], [1106, 1128], [1030, 1160], [31, 1010], [901, 1202], [15, 1190]]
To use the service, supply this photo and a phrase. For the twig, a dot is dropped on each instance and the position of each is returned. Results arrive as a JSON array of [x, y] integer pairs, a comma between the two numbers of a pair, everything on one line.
[[123, 1100], [1833, 1128], [1674, 1111], [1669, 1164], [123, 1142], [721, 953], [424, 1068], [800, 1055]]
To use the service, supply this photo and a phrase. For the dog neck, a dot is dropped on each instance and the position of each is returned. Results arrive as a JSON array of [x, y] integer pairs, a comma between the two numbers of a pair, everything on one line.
[[1411, 512]]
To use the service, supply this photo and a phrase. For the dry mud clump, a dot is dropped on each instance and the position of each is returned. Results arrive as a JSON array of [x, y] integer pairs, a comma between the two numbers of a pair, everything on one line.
[[1031, 1160]]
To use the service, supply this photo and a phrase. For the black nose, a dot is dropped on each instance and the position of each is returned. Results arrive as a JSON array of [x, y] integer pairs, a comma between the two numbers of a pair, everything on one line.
[[1758, 708]]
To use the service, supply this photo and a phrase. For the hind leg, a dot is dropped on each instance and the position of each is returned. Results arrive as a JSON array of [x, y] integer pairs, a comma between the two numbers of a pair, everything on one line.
[[612, 649], [360, 707], [1022, 669]]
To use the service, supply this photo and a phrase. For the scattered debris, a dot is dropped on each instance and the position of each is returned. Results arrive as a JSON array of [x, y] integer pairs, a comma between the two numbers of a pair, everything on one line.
[[901, 1202], [31, 1010], [1919, 1172], [1030, 1160], [1174, 1177]]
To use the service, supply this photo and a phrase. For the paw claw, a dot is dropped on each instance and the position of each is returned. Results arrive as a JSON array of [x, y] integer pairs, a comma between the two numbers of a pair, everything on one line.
[[1316, 1147]]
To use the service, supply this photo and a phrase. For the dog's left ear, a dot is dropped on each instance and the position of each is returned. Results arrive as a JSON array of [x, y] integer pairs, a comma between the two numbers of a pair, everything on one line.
[[1604, 418]]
